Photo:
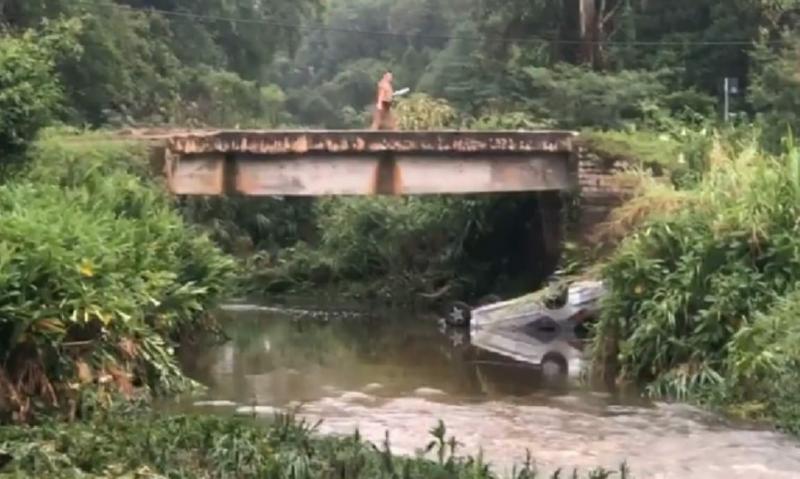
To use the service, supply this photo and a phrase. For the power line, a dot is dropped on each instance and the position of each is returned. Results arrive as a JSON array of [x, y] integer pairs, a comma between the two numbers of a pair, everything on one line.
[[326, 28]]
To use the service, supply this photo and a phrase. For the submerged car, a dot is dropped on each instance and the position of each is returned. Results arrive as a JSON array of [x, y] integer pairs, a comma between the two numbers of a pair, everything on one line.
[[537, 329], [581, 302]]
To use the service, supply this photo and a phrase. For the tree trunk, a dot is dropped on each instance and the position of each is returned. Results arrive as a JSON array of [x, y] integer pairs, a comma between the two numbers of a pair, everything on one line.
[[595, 21], [571, 32], [588, 30]]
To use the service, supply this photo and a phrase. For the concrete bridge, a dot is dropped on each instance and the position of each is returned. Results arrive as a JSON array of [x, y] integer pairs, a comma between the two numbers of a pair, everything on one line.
[[317, 163]]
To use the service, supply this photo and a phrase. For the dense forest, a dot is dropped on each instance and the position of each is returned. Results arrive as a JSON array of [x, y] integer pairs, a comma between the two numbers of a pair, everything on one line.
[[570, 63]]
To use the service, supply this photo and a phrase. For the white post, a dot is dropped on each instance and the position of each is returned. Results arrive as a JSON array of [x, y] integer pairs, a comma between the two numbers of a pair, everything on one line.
[[727, 100]]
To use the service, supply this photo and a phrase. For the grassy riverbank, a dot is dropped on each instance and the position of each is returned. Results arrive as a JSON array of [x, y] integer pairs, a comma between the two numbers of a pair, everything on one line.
[[145, 445], [99, 276], [704, 291]]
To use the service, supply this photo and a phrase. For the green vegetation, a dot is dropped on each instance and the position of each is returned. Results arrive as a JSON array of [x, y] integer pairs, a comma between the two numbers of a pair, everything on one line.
[[774, 92], [407, 250], [703, 291], [101, 274], [154, 446], [645, 86], [98, 274], [137, 66]]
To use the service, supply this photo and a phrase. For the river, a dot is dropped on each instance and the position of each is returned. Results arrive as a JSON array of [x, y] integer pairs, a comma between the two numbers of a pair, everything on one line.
[[398, 373]]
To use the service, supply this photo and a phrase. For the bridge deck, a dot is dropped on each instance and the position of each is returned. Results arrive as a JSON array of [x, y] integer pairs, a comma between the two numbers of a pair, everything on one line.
[[368, 162]]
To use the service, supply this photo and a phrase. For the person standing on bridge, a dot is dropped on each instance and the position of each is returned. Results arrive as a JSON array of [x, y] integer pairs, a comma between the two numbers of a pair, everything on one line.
[[383, 119]]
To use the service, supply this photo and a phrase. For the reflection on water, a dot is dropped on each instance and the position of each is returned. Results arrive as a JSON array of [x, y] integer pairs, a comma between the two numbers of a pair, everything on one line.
[[402, 375]]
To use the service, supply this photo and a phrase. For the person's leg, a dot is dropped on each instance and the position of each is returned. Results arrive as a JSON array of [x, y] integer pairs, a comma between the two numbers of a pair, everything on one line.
[[390, 120], [376, 119]]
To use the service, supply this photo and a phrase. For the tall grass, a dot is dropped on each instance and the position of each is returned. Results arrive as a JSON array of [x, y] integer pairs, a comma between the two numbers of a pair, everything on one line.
[[692, 289], [762, 364], [98, 273]]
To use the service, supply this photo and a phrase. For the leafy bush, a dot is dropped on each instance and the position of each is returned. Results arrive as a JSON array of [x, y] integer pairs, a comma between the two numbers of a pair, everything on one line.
[[507, 120], [407, 245], [422, 112], [688, 288], [98, 272]]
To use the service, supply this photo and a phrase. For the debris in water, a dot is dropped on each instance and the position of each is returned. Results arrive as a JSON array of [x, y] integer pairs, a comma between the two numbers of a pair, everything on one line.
[[321, 314], [215, 404], [372, 387], [355, 396], [428, 392], [258, 410]]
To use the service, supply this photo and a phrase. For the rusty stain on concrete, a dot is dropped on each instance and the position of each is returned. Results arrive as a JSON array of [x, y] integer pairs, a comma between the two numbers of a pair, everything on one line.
[[303, 142]]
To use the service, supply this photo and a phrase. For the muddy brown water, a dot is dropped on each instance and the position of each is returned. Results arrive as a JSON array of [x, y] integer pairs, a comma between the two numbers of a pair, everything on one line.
[[396, 373]]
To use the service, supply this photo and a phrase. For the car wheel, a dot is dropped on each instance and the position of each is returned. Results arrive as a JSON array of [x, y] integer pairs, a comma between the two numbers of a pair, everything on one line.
[[554, 366], [458, 314]]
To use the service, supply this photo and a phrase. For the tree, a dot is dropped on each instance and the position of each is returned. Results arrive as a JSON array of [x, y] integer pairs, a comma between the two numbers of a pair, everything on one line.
[[248, 33], [576, 97], [423, 23], [775, 90], [30, 92], [141, 55], [457, 73], [576, 29]]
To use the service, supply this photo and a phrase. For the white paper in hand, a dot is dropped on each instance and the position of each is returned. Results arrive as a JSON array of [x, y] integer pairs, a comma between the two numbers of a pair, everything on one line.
[[401, 92]]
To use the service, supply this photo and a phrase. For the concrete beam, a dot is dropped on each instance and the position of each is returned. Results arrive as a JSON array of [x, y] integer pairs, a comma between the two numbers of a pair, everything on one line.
[[388, 173]]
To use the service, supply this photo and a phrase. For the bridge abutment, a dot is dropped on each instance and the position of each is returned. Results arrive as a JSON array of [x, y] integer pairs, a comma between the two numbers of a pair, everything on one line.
[[601, 190]]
